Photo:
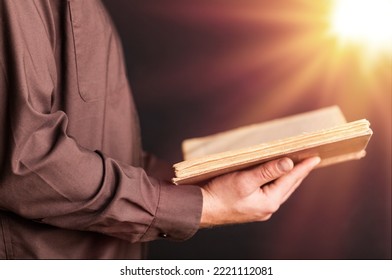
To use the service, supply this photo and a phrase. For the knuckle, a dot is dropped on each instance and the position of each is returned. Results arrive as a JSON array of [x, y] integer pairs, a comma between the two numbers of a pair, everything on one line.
[[267, 172], [240, 178]]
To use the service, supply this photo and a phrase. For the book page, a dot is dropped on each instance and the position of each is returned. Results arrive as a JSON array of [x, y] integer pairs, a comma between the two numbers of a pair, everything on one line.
[[333, 145], [264, 132]]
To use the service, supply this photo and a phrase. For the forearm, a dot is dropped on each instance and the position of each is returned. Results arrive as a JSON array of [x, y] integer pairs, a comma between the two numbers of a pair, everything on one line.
[[70, 187]]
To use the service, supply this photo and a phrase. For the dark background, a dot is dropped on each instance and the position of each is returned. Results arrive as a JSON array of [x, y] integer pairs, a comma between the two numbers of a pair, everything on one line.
[[199, 67]]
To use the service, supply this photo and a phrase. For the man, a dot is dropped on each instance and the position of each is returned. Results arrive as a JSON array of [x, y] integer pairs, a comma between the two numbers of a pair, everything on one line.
[[74, 182]]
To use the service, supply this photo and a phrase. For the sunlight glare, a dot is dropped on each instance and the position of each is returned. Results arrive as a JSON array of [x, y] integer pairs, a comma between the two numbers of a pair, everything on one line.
[[367, 23]]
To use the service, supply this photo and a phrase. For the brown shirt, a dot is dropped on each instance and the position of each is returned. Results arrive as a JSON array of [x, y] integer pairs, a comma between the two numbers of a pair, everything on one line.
[[73, 179]]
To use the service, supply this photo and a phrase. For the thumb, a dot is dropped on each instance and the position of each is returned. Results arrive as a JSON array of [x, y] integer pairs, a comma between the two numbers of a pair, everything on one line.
[[267, 172]]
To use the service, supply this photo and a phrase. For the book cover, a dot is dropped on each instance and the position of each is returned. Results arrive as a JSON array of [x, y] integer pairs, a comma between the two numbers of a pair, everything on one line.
[[324, 133]]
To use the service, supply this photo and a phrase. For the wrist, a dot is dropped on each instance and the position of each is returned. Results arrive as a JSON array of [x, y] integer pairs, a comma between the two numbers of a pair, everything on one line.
[[206, 219]]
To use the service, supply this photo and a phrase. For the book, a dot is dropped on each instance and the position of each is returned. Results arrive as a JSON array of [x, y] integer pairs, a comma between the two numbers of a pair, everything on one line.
[[323, 132]]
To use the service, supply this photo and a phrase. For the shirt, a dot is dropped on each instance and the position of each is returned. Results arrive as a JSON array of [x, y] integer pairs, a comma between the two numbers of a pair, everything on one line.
[[74, 183]]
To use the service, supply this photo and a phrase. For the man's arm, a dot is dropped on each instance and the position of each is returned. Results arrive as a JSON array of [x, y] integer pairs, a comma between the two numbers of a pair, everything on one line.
[[46, 174]]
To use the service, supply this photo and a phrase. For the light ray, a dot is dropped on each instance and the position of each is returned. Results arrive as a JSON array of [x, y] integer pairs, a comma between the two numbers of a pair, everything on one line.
[[365, 24]]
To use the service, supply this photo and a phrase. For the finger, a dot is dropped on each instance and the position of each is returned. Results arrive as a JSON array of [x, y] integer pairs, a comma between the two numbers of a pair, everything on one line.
[[300, 179], [293, 189], [301, 171], [284, 186], [266, 172]]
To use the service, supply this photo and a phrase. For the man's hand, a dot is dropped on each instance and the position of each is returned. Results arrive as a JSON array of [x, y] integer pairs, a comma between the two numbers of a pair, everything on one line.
[[254, 194]]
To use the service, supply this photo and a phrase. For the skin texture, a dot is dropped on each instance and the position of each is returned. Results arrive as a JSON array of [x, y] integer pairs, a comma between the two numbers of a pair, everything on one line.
[[252, 195]]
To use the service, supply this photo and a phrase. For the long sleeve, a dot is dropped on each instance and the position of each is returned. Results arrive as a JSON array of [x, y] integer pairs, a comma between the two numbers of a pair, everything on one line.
[[69, 147]]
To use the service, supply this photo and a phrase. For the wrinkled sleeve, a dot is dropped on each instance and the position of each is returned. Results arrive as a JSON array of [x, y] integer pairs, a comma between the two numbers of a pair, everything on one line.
[[157, 167], [46, 176]]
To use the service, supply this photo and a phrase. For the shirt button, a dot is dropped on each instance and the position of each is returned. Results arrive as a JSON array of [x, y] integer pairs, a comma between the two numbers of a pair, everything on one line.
[[163, 235]]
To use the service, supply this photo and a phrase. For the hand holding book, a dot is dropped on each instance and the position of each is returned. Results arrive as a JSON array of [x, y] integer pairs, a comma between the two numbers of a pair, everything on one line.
[[254, 194], [250, 171]]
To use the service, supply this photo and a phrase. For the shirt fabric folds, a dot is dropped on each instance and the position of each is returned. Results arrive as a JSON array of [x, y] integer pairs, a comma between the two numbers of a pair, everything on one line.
[[74, 181]]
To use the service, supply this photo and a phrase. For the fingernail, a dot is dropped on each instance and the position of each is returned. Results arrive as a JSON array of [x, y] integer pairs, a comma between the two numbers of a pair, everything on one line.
[[285, 164]]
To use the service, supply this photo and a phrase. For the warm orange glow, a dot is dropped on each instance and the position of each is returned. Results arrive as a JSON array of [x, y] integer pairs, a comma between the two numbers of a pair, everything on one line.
[[367, 23], [281, 55], [306, 56]]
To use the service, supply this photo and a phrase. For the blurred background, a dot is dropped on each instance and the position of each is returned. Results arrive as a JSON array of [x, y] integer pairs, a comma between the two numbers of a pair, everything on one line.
[[200, 67]]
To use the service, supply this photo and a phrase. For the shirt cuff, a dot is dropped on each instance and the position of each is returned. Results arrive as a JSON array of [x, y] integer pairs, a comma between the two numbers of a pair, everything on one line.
[[178, 213]]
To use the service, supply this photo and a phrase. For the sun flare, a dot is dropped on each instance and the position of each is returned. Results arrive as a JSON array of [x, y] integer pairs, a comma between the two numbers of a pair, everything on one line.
[[366, 23]]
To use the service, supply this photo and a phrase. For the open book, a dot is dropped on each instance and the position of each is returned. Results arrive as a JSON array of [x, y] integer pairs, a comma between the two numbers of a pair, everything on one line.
[[324, 133]]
